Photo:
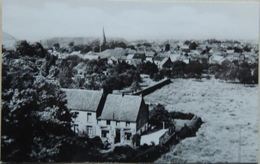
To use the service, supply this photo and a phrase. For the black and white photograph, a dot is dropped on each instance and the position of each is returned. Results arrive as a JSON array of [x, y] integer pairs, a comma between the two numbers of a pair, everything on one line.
[[130, 81]]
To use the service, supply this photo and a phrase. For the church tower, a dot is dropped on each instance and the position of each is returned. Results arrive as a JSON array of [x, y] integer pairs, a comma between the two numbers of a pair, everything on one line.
[[104, 41]]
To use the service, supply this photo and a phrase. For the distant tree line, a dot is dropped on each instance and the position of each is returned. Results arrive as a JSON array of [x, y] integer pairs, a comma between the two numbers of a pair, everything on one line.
[[94, 46], [233, 71]]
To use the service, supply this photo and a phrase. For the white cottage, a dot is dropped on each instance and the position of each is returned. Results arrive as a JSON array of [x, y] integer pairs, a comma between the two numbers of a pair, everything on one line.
[[88, 104], [122, 117]]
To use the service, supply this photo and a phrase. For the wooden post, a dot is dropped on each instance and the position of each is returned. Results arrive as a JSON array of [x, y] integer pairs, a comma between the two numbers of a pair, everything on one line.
[[163, 125]]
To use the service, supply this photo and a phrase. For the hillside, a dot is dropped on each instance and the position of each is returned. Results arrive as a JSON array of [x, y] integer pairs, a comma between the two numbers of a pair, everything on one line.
[[8, 40]]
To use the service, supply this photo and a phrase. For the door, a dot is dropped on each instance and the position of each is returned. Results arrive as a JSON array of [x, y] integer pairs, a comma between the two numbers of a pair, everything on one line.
[[117, 138], [89, 131]]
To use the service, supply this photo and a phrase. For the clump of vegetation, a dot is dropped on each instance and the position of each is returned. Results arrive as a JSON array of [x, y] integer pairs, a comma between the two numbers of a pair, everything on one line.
[[35, 119], [244, 73], [159, 116]]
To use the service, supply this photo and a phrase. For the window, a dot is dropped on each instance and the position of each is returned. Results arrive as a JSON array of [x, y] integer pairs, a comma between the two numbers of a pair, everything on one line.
[[75, 128], [89, 130], [117, 123], [128, 136], [127, 124], [88, 116], [108, 122], [104, 133]]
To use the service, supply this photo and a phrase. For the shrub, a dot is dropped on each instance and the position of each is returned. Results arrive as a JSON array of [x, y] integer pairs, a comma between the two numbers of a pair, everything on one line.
[[158, 115]]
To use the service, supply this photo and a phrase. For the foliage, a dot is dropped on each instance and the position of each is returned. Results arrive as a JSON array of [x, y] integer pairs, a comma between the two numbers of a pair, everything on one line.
[[194, 68], [236, 71], [158, 115], [193, 45], [178, 68], [34, 112], [147, 68], [56, 46], [167, 47], [23, 48]]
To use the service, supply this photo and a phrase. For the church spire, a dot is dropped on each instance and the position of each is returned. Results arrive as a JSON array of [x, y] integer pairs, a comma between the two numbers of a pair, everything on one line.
[[104, 38]]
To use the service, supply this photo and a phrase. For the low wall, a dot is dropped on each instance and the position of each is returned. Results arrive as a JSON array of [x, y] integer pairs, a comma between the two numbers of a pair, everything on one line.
[[152, 88]]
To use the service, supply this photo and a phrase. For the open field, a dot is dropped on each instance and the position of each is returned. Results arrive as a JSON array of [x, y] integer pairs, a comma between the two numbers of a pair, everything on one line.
[[229, 111]]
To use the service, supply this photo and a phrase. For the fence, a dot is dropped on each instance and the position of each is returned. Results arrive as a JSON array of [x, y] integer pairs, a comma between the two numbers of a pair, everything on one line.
[[152, 88]]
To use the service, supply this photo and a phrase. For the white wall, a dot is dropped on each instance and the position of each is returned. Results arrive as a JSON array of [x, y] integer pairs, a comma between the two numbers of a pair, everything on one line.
[[98, 125], [82, 121], [131, 128]]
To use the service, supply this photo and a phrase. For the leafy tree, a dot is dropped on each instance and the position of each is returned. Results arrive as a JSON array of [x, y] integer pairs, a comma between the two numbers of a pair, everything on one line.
[[3, 49], [247, 48], [71, 44], [244, 75], [39, 50], [187, 42], [113, 44], [158, 76], [65, 77], [85, 49], [193, 45], [56, 46], [24, 48], [255, 74], [158, 115], [35, 119], [238, 50], [194, 68], [167, 47], [135, 86], [147, 68]]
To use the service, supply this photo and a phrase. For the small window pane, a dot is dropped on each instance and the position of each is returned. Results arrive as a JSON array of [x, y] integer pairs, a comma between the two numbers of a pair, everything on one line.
[[104, 133], [127, 123], [128, 135]]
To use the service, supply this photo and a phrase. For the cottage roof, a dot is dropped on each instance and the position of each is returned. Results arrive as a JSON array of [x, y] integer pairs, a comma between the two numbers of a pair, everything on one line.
[[139, 55], [165, 60], [121, 108], [130, 56], [159, 58], [85, 100]]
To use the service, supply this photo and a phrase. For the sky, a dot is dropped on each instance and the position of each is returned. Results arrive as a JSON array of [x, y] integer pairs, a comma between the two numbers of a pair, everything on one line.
[[146, 19]]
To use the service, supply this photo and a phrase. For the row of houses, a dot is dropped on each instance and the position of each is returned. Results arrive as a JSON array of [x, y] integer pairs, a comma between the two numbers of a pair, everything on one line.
[[113, 118]]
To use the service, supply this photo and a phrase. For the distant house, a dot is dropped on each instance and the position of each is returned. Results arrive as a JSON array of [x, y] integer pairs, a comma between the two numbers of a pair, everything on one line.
[[185, 48], [88, 104], [139, 56], [229, 51], [135, 59], [129, 58], [150, 53], [175, 57], [112, 60], [163, 62], [122, 117], [216, 59], [149, 59]]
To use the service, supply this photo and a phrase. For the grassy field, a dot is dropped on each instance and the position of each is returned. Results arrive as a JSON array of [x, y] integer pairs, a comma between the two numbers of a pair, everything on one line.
[[229, 111]]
